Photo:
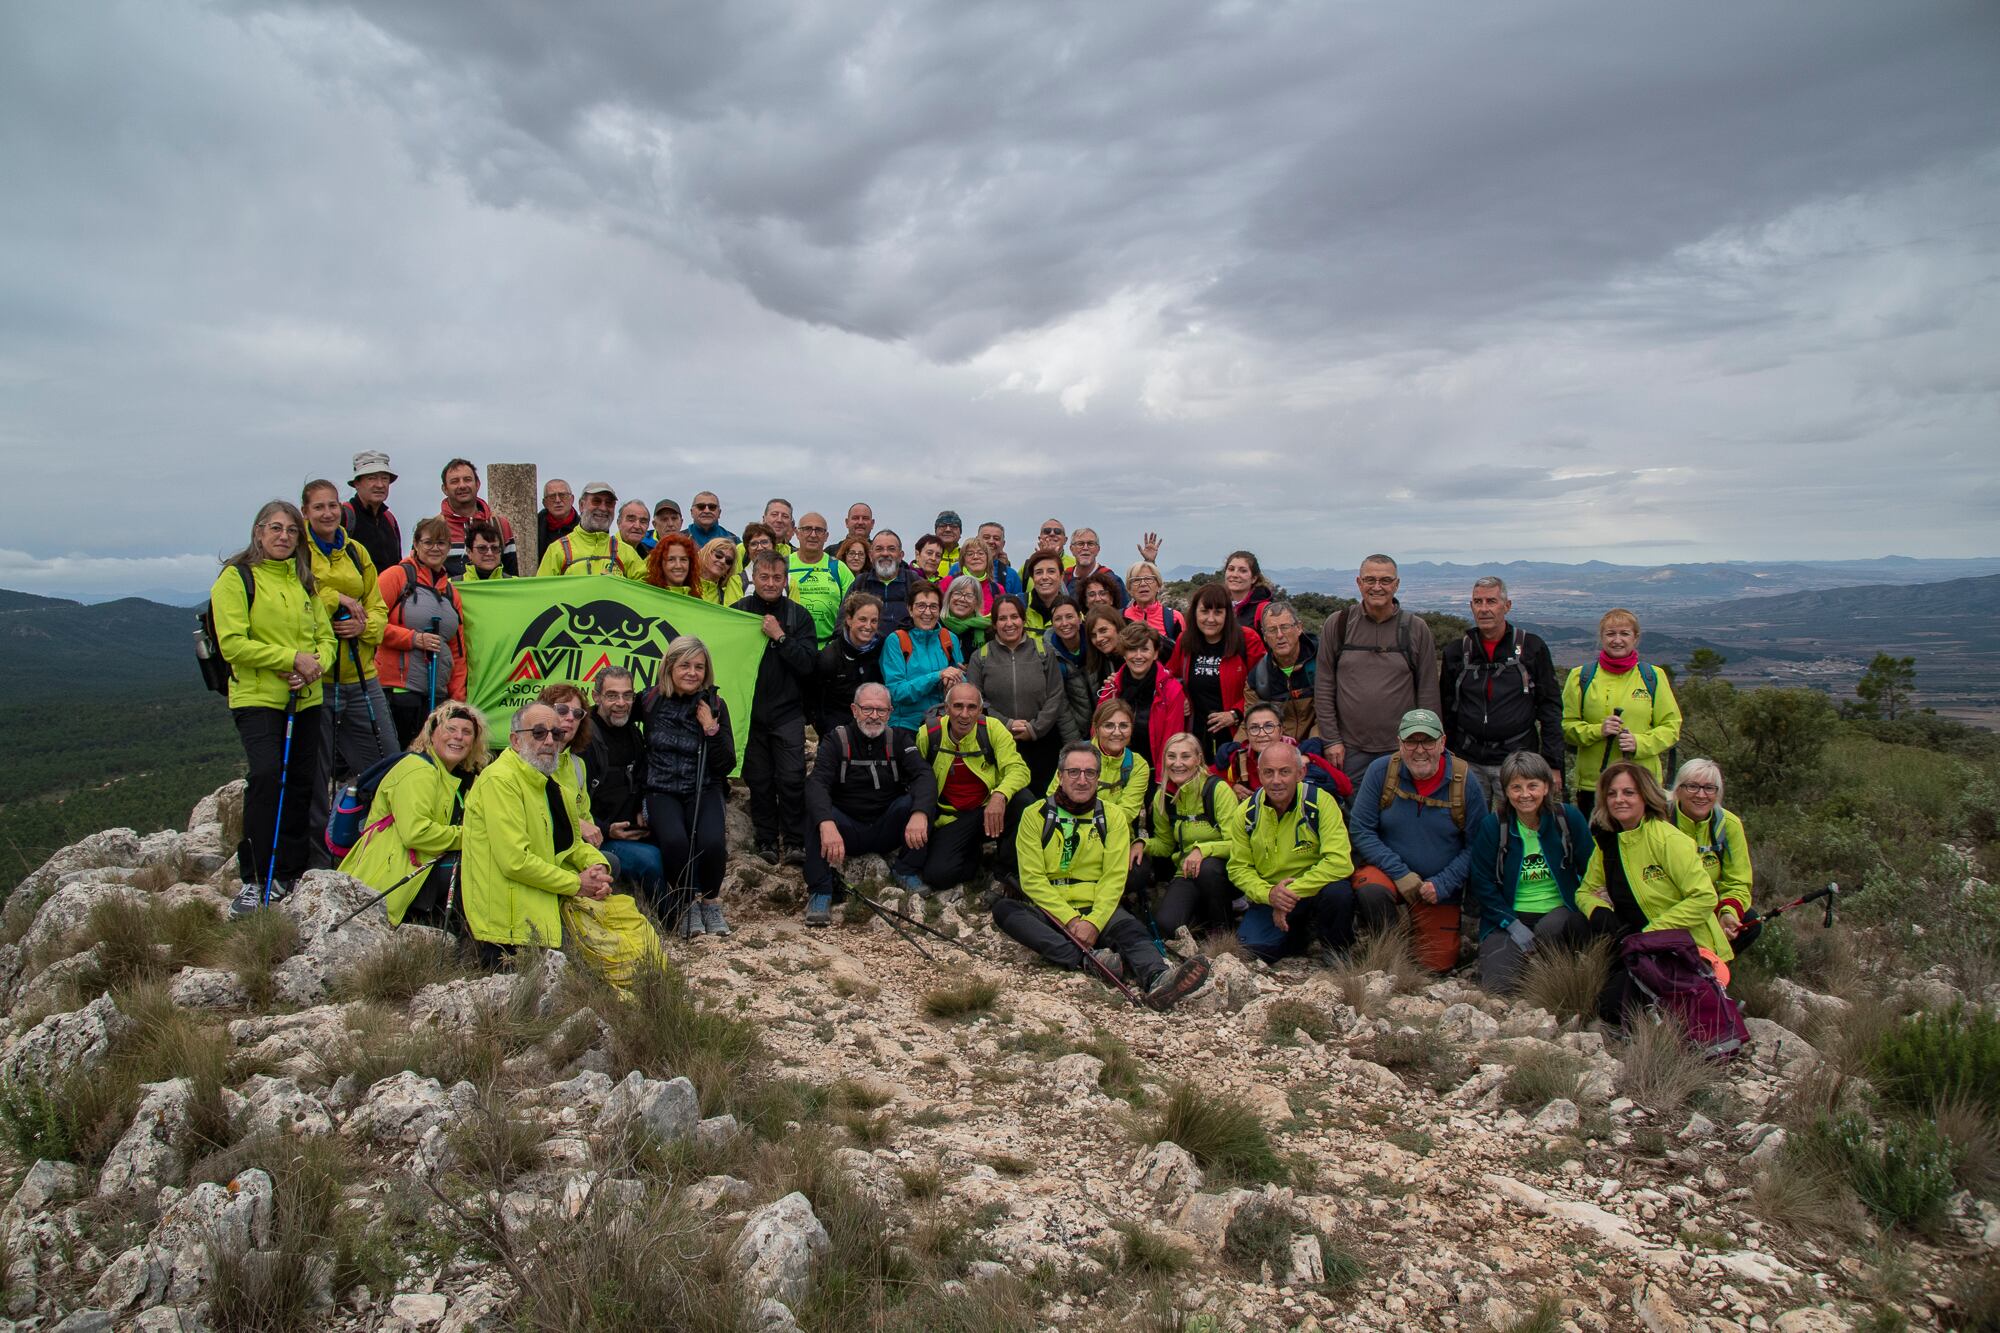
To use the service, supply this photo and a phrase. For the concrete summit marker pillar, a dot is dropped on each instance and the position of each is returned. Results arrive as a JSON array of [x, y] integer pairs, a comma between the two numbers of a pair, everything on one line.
[[515, 494]]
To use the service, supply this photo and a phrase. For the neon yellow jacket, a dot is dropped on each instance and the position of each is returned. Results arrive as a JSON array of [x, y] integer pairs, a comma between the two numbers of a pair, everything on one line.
[[409, 822], [260, 641], [350, 571], [1007, 773], [590, 553], [512, 881], [1730, 870], [1090, 883], [1654, 723], [1668, 882], [1284, 846], [1126, 787], [1184, 827]]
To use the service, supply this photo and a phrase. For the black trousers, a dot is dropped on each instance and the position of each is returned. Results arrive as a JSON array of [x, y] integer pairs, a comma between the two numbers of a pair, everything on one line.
[[1124, 933], [1040, 757], [408, 709], [774, 769], [1200, 903], [883, 834], [1349, 908], [952, 856], [691, 870], [263, 734]]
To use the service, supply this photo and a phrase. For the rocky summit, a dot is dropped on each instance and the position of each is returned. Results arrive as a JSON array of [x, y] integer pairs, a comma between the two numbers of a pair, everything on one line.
[[291, 1122]]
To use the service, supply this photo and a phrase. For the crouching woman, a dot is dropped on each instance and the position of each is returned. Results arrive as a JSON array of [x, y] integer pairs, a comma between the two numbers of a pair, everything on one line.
[[1647, 875], [1527, 860], [418, 817]]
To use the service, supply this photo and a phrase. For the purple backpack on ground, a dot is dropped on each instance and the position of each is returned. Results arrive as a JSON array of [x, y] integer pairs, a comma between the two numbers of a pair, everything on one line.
[[1667, 968]]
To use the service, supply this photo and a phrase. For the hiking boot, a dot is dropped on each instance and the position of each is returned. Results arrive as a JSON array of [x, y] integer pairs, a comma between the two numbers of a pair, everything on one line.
[[1177, 983], [771, 851], [251, 897], [792, 854], [913, 883], [819, 909], [691, 923], [1109, 960], [711, 916]]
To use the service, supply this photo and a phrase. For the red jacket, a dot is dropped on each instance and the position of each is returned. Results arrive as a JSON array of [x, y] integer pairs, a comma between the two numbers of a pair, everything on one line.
[[481, 510], [396, 636], [1235, 670], [1169, 713]]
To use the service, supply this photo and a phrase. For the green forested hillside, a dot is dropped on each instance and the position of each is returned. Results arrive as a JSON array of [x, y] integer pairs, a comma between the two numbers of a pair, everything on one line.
[[106, 724]]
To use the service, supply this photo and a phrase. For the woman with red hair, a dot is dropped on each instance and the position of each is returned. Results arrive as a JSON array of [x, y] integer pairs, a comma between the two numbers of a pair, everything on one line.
[[675, 564]]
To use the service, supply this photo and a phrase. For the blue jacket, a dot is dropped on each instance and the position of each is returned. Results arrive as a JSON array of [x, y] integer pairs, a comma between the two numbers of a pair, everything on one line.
[[1495, 892], [895, 595], [703, 536], [912, 677], [1413, 837]]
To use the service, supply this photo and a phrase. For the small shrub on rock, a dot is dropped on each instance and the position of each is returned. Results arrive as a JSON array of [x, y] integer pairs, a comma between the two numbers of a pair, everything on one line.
[[1566, 982], [963, 1000], [1226, 1138]]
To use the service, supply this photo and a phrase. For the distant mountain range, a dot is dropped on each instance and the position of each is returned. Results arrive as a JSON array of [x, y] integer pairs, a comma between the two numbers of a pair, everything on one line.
[[1579, 593]]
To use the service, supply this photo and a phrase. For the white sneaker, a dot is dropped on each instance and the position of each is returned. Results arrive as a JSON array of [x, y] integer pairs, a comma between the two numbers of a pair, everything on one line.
[[711, 916]]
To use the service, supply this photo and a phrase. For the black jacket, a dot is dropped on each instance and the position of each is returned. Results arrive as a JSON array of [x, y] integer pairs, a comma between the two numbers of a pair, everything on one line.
[[786, 674], [843, 669], [377, 531], [674, 743], [1513, 702], [863, 777], [614, 770], [895, 595], [548, 532]]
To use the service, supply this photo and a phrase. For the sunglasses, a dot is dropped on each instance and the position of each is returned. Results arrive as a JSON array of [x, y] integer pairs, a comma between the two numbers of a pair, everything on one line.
[[539, 733]]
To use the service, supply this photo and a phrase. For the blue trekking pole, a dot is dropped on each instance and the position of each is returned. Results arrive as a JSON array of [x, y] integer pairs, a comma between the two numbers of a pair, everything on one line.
[[284, 780], [431, 673]]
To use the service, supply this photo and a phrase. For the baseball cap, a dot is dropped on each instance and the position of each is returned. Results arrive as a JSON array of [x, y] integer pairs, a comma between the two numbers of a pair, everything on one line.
[[667, 507], [1419, 722], [599, 488], [370, 461]]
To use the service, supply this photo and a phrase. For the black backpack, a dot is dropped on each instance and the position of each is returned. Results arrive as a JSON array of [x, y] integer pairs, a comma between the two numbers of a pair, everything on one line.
[[1175, 818], [1338, 630], [1308, 799], [216, 673], [1052, 813]]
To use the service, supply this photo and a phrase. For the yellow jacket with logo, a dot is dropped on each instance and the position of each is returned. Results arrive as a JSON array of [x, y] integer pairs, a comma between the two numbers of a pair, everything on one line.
[[1006, 773], [1285, 846], [350, 571], [1654, 722], [512, 879], [591, 553], [1075, 872], [409, 822], [260, 640], [1728, 868], [1668, 881]]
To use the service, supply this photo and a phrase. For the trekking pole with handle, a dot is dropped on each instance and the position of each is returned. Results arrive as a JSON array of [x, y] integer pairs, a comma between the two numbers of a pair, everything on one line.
[[892, 914], [1611, 741], [284, 780], [382, 896], [374, 727], [1831, 893], [1090, 958], [431, 672], [683, 887]]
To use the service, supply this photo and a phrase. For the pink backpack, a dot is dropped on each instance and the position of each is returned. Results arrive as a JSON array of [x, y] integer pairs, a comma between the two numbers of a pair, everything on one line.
[[1668, 970]]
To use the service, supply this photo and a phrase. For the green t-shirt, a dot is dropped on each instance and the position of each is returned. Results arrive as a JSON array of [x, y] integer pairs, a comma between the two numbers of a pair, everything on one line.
[[1536, 890]]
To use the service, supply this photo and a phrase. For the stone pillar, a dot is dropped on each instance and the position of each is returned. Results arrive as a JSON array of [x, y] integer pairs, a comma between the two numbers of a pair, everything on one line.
[[515, 494]]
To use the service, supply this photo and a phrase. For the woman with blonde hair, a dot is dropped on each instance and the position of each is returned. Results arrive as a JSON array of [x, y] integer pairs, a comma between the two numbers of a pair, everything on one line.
[[418, 815], [721, 572], [1617, 707], [690, 751]]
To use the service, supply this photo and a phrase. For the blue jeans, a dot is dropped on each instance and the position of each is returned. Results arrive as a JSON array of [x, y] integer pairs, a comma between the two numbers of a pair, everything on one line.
[[637, 861]]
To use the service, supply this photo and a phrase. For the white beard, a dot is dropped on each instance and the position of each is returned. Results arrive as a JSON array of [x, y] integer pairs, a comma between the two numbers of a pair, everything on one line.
[[871, 729], [591, 523], [547, 768]]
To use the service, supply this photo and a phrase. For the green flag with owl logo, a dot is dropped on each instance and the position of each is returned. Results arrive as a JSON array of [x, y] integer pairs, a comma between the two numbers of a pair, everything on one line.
[[524, 634]]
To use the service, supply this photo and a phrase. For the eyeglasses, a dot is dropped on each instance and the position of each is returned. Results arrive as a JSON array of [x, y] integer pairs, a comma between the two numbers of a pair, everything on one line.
[[1701, 788], [1261, 728], [1422, 742], [433, 541], [1079, 772], [812, 527], [282, 529], [871, 709], [539, 733]]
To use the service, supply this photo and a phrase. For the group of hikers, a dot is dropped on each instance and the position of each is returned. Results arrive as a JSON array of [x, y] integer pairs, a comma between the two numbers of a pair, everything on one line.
[[1146, 776]]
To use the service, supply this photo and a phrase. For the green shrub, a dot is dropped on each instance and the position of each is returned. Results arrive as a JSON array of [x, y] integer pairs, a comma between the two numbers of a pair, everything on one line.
[[1287, 1017], [1904, 1177], [1933, 1057], [1225, 1137], [663, 1030], [409, 961]]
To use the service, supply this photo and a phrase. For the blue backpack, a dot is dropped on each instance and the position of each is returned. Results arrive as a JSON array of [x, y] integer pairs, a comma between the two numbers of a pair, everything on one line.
[[350, 809]]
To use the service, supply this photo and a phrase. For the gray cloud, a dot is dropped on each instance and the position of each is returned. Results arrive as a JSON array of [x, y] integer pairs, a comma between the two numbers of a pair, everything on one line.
[[1306, 278]]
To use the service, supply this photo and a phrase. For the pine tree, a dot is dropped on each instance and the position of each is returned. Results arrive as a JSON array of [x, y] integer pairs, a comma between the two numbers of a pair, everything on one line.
[[1885, 687], [1705, 664]]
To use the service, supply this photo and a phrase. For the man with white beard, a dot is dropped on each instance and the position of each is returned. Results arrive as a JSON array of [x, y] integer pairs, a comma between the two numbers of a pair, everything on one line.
[[889, 579], [869, 791], [523, 855], [591, 547]]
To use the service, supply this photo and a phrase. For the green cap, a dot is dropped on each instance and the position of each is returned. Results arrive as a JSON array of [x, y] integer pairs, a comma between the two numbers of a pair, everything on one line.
[[1419, 722]]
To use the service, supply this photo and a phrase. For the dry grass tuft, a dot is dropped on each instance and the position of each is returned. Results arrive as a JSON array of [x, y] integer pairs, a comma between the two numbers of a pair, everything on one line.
[[409, 961], [1566, 982], [965, 999], [1662, 1072]]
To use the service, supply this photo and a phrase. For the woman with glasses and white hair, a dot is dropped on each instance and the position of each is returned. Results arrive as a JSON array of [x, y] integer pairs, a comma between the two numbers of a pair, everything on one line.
[[418, 815], [1725, 851], [690, 751], [273, 632], [1528, 858]]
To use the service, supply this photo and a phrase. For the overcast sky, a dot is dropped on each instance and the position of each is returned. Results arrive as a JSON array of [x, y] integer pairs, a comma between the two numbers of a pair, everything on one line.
[[1515, 280]]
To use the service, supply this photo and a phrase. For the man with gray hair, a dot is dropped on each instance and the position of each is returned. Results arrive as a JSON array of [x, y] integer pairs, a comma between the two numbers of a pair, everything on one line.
[[1500, 692], [523, 851], [869, 791], [1377, 661]]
